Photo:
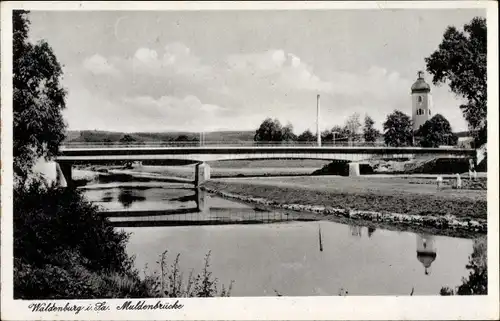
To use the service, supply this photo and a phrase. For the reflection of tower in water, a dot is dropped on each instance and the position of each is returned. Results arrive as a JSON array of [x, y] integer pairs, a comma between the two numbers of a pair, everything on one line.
[[356, 230], [426, 251]]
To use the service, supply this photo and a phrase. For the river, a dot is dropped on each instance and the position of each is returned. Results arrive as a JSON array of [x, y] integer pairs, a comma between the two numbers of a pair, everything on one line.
[[281, 255]]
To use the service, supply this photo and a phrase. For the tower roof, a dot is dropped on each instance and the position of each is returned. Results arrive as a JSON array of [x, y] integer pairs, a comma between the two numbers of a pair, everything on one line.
[[420, 86]]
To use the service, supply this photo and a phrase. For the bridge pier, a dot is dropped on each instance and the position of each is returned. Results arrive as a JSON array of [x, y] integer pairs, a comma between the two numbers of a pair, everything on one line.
[[201, 173], [354, 169]]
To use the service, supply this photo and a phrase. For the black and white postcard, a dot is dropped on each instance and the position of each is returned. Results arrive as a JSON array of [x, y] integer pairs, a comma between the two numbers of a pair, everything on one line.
[[249, 160]]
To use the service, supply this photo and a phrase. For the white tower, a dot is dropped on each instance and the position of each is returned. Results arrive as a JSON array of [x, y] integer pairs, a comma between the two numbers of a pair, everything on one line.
[[421, 99]]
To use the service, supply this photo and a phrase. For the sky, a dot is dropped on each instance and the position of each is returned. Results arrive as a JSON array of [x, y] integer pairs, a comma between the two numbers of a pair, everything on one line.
[[229, 70]]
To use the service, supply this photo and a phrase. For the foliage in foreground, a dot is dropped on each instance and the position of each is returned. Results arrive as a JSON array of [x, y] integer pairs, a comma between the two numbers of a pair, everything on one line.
[[63, 249], [477, 282], [170, 281], [38, 99]]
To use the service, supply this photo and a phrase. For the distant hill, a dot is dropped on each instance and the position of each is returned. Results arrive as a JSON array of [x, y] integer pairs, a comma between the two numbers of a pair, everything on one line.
[[464, 134], [108, 136]]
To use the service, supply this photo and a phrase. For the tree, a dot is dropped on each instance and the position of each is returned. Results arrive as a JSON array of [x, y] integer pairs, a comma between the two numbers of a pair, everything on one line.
[[287, 133], [352, 126], [307, 136], [326, 135], [269, 131], [38, 100], [435, 132], [460, 61], [398, 130], [370, 134], [339, 133]]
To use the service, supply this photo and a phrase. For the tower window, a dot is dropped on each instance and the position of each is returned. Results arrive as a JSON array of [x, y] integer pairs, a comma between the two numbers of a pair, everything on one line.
[[429, 111], [419, 99], [420, 111]]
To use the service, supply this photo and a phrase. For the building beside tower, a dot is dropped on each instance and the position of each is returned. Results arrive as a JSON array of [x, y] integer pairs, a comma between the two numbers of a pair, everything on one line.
[[421, 97]]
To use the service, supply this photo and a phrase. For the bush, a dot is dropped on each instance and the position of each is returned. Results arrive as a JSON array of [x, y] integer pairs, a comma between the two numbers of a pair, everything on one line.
[[477, 282], [334, 168], [63, 249], [342, 168], [441, 166], [60, 237]]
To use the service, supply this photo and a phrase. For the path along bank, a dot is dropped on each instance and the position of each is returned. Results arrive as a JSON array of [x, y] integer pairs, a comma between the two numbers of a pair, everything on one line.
[[401, 203]]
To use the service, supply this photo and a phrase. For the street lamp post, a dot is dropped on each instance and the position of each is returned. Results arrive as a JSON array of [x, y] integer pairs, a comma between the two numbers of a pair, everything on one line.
[[318, 130]]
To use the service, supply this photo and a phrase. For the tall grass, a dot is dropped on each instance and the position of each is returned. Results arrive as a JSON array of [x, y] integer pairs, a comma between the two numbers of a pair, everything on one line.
[[169, 280]]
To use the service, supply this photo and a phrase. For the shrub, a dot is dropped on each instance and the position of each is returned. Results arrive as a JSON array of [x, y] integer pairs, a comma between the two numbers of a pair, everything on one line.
[[61, 242], [477, 282], [63, 249]]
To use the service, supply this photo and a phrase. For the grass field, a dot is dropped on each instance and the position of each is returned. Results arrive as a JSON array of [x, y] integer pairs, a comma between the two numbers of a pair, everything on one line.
[[397, 195]]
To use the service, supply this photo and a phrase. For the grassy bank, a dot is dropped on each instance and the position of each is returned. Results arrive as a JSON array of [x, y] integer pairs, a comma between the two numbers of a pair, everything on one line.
[[382, 195]]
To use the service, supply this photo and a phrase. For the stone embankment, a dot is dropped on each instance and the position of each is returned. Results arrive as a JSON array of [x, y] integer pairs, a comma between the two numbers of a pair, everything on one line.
[[442, 222]]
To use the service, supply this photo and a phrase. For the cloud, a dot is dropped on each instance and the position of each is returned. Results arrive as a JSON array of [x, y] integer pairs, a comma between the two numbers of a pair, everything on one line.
[[99, 65], [171, 87], [278, 68]]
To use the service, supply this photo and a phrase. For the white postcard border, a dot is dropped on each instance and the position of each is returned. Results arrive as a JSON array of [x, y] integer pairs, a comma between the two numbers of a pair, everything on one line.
[[234, 308]]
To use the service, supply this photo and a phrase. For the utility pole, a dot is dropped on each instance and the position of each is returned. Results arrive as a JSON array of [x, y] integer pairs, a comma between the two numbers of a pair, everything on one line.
[[318, 131]]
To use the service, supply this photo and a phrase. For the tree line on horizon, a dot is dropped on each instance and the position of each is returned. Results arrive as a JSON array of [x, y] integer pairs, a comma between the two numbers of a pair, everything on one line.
[[398, 132]]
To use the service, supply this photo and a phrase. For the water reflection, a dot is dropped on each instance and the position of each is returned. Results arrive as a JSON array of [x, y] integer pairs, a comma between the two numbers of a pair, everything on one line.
[[295, 258], [302, 258], [107, 197], [426, 251], [358, 231], [129, 196]]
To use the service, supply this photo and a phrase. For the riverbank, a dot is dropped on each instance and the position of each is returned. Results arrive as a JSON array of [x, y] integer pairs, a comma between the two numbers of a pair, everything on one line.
[[391, 203]]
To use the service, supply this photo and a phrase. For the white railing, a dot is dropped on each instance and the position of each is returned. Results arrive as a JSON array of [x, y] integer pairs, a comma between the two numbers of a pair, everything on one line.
[[214, 144]]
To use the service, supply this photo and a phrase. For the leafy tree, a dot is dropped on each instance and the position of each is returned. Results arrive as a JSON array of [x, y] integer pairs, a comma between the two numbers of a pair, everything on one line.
[[370, 134], [38, 99], [398, 131], [435, 132], [460, 61], [307, 136], [339, 133], [287, 133], [269, 131], [352, 126], [326, 135]]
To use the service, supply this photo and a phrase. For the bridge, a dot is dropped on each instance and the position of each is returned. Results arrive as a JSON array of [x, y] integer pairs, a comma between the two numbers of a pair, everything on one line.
[[155, 155]]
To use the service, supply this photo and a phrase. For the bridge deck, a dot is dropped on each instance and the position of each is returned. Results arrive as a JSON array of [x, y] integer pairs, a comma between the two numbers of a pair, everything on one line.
[[73, 155]]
